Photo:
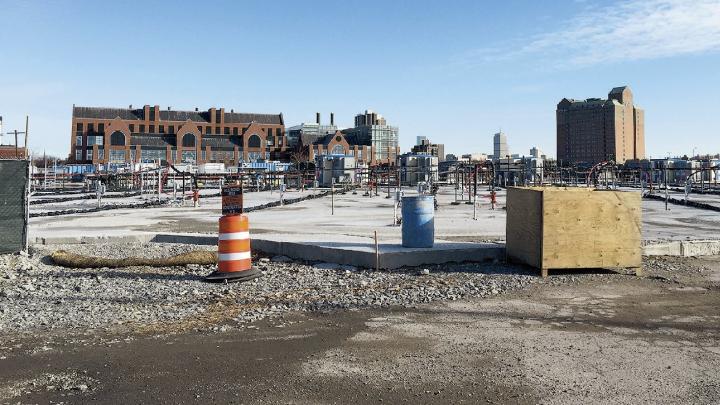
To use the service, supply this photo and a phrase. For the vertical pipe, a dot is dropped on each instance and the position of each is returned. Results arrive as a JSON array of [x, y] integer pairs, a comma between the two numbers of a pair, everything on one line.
[[667, 195], [475, 181], [456, 181], [377, 253], [376, 184], [26, 216], [242, 193]]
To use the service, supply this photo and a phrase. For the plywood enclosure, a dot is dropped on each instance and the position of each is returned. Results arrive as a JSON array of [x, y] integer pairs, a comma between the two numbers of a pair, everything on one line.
[[572, 228]]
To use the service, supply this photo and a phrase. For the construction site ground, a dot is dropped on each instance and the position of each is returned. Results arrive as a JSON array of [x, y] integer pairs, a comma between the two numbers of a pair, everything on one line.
[[317, 332], [572, 338], [352, 215]]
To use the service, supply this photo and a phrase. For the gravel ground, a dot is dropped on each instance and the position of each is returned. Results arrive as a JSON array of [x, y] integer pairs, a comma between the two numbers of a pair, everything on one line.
[[106, 336], [38, 295], [69, 383]]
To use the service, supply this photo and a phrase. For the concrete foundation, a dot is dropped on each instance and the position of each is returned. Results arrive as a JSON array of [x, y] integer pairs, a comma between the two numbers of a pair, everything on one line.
[[312, 230], [360, 252]]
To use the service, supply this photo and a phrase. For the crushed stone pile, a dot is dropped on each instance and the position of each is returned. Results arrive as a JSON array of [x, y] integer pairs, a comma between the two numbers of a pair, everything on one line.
[[37, 294]]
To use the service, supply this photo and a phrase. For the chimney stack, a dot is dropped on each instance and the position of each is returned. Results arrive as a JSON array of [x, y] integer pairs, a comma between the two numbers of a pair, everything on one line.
[[332, 118], [130, 107], [317, 118], [196, 108]]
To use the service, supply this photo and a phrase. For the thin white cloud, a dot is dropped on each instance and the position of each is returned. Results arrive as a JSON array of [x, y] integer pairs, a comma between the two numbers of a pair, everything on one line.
[[627, 31]]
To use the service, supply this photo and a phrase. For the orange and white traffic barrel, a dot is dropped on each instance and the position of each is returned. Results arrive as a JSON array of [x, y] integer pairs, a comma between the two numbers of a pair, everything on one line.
[[234, 256]]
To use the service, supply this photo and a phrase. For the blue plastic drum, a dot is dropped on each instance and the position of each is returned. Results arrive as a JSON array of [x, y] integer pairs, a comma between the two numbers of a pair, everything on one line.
[[418, 221]]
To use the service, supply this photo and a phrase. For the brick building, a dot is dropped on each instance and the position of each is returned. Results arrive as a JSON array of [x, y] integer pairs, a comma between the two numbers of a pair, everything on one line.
[[362, 142], [337, 143], [594, 130], [12, 152], [124, 135]]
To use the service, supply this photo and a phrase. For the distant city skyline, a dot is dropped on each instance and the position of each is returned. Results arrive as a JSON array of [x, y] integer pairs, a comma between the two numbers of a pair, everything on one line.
[[481, 67]]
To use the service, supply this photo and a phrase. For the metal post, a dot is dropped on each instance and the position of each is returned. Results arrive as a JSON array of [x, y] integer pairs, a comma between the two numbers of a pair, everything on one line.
[[98, 192], [456, 181], [395, 206], [377, 253], [475, 181], [376, 183], [242, 192], [667, 194], [26, 216], [397, 173], [332, 196], [475, 207]]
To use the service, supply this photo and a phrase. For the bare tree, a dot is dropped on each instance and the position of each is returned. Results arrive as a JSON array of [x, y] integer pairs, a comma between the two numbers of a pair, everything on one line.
[[39, 161]]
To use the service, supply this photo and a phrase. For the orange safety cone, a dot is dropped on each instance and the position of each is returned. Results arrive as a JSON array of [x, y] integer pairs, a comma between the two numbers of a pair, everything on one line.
[[234, 257]]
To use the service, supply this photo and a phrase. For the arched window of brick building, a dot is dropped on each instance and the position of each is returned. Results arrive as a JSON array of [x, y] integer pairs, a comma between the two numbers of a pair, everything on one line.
[[117, 139], [338, 150], [188, 140], [254, 141]]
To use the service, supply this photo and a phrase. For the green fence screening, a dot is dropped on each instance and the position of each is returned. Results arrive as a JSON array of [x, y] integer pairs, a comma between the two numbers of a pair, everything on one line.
[[13, 180]]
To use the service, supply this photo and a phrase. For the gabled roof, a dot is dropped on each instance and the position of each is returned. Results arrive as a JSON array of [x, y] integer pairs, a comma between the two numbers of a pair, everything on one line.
[[241, 118], [325, 140], [107, 113], [196, 116], [173, 115], [309, 139]]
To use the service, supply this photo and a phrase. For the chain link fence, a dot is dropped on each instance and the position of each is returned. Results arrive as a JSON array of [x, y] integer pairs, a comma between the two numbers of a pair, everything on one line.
[[13, 184]]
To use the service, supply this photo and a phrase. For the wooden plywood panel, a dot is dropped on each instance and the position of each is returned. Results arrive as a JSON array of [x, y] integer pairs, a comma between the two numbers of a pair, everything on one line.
[[524, 225], [586, 229]]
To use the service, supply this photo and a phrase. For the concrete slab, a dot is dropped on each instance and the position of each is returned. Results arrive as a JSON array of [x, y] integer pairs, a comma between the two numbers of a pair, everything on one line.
[[663, 249], [350, 250], [700, 248], [360, 251]]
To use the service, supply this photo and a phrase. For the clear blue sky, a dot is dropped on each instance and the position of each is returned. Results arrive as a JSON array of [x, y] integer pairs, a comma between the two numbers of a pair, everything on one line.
[[454, 71]]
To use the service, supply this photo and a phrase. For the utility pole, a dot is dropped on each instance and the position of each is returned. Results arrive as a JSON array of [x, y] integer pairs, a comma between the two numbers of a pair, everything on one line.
[[27, 124], [16, 133]]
